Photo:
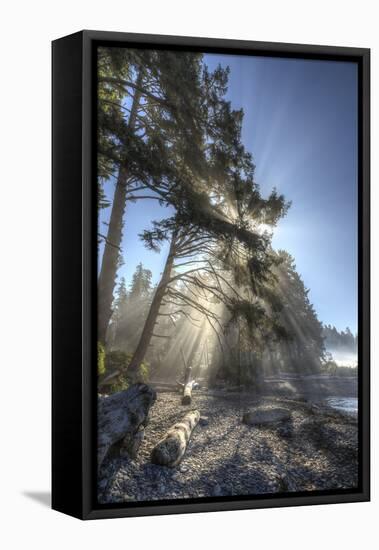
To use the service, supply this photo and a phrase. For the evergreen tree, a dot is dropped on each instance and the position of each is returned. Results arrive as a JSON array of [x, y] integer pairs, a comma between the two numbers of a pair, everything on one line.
[[152, 118], [304, 349], [119, 307], [343, 341], [129, 317], [140, 287], [208, 230]]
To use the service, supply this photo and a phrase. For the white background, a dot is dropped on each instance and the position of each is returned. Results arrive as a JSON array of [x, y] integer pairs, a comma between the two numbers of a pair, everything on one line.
[[26, 31]]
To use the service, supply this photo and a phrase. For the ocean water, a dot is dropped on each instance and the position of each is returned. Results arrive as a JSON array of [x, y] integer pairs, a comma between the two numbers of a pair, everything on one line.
[[345, 404]]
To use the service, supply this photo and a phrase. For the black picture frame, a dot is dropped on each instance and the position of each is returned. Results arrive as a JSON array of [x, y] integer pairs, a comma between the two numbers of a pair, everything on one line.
[[74, 274]]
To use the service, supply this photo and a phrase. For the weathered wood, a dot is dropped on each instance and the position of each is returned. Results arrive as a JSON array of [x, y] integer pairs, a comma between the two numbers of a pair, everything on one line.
[[131, 443], [266, 415], [121, 417], [109, 378], [187, 393], [187, 375], [170, 450], [187, 387]]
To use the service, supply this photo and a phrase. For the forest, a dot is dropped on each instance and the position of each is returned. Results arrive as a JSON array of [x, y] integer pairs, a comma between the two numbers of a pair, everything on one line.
[[224, 320]]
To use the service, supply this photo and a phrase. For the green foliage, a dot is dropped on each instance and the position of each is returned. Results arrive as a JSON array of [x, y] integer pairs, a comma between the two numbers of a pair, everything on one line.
[[141, 283], [130, 309], [344, 340], [252, 313], [330, 367], [306, 349], [121, 385], [186, 149], [118, 359], [347, 371], [100, 359], [103, 202], [143, 372]]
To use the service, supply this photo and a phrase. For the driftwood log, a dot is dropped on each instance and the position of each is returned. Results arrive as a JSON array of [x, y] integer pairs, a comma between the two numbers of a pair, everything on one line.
[[187, 393], [109, 378], [170, 450], [187, 386], [122, 418]]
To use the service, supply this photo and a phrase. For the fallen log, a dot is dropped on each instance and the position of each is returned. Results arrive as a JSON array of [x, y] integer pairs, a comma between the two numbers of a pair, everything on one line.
[[121, 418], [109, 378], [187, 393], [170, 450], [187, 386]]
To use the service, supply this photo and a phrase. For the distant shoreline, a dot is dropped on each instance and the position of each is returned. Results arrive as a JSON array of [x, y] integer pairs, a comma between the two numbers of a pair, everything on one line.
[[311, 386]]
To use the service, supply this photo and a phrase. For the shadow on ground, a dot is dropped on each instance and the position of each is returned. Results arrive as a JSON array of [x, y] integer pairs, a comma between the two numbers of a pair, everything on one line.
[[42, 497]]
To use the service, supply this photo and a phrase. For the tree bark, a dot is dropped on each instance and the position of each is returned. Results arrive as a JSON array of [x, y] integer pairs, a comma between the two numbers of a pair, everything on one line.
[[187, 393], [121, 418], [108, 272], [170, 450], [148, 329], [187, 389]]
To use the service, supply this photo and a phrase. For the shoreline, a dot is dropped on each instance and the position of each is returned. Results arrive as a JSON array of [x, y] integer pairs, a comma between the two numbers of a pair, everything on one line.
[[317, 449]]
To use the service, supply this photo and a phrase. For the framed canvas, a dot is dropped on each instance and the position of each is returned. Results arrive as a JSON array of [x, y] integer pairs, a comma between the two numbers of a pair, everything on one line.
[[210, 275]]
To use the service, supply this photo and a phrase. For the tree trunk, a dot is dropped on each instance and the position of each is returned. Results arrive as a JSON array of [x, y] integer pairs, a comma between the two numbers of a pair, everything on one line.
[[152, 316], [170, 450], [107, 277], [121, 418], [108, 272]]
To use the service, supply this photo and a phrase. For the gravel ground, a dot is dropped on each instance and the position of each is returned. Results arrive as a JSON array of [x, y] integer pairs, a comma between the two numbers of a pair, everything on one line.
[[315, 450]]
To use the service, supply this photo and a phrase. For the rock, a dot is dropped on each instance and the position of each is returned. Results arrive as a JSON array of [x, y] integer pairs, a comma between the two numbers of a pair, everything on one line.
[[266, 415], [285, 431], [204, 421]]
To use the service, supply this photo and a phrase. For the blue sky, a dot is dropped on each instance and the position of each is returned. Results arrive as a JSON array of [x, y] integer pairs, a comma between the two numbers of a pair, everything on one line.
[[300, 124]]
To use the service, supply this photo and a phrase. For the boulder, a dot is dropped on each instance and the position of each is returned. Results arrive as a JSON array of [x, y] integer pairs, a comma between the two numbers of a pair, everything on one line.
[[266, 415]]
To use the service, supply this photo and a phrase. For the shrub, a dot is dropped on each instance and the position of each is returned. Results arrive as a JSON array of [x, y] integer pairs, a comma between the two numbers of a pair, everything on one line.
[[120, 360], [329, 367], [116, 359], [100, 359], [144, 372]]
